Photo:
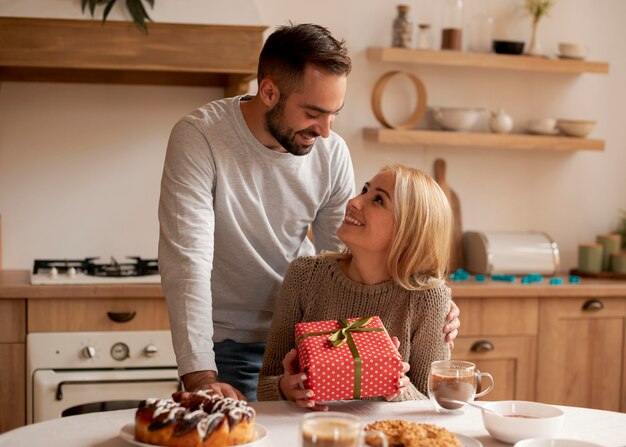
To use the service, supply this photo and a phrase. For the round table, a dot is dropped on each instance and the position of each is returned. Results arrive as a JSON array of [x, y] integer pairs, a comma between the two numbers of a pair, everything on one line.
[[282, 421]]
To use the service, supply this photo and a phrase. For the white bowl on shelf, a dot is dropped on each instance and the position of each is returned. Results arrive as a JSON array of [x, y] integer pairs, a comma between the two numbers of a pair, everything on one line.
[[542, 126], [572, 50], [576, 128], [522, 420], [456, 118]]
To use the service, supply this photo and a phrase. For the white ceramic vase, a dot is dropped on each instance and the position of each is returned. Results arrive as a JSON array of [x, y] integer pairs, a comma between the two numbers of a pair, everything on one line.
[[534, 46]]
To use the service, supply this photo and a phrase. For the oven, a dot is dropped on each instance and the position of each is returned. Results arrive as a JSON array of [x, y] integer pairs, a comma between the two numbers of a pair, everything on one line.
[[72, 373]]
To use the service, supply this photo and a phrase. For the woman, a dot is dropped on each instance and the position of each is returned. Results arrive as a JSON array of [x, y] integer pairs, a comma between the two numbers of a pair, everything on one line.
[[397, 234]]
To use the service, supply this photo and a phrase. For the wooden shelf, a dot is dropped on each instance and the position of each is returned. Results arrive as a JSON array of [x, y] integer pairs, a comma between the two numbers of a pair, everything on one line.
[[485, 60], [481, 140], [53, 50]]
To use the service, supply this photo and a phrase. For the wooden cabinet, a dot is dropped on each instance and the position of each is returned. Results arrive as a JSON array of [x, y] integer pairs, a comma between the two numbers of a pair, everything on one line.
[[455, 60], [499, 335], [97, 314], [582, 347], [57, 50], [12, 363]]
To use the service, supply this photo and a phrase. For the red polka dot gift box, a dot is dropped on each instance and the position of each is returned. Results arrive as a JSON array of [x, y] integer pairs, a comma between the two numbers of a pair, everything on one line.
[[348, 358]]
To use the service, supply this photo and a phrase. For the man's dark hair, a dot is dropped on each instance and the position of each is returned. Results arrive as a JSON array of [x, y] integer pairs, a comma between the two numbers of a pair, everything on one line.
[[290, 48]]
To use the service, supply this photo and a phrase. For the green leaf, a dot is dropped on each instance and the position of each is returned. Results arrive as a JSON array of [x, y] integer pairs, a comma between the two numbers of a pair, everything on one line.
[[138, 13], [107, 10], [83, 3], [92, 6], [151, 3]]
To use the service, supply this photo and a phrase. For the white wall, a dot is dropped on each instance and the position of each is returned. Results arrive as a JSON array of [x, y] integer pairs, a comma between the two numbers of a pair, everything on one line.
[[80, 164]]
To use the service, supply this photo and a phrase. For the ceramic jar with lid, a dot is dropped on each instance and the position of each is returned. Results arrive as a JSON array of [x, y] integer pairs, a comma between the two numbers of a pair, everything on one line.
[[424, 37], [500, 122]]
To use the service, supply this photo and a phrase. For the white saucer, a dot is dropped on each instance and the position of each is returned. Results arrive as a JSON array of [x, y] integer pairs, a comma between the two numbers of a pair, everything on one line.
[[576, 58], [127, 433], [466, 441], [543, 132]]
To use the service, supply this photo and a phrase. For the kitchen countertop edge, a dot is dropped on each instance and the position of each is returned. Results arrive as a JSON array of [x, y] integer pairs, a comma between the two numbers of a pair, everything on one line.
[[16, 284]]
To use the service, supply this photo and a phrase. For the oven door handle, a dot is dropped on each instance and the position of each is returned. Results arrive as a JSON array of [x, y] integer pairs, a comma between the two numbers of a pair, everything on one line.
[[59, 393]]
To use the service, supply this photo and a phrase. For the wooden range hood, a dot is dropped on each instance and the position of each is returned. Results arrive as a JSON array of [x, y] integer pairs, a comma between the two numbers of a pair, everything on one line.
[[59, 50]]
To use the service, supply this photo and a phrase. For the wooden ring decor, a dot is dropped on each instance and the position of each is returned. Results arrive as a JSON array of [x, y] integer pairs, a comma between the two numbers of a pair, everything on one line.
[[377, 95]]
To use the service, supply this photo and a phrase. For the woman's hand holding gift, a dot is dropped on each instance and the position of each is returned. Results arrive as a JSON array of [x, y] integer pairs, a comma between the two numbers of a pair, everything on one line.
[[292, 384], [403, 380]]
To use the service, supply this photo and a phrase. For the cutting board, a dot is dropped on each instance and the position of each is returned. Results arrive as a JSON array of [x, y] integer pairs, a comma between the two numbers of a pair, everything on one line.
[[456, 255]]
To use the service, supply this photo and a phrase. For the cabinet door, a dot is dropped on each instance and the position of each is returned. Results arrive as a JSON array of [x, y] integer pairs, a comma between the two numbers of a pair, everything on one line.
[[499, 335], [12, 364], [581, 352], [12, 386], [509, 359]]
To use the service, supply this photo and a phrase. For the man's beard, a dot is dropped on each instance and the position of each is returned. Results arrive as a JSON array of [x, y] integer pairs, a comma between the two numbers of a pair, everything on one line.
[[286, 136]]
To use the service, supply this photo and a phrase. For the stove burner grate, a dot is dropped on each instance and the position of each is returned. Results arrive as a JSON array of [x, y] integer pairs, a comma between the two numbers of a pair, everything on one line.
[[138, 267]]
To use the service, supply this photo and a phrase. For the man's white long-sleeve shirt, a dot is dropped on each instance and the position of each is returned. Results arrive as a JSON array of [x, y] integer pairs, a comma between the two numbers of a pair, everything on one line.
[[233, 214]]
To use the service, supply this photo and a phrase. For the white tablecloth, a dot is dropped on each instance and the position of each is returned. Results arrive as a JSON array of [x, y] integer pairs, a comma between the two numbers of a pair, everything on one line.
[[282, 420]]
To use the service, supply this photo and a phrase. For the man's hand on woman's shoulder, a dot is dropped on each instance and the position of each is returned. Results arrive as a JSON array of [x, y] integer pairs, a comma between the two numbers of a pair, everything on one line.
[[452, 324]]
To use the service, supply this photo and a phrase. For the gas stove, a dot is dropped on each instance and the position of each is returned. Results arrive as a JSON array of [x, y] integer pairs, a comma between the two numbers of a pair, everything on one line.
[[89, 271]]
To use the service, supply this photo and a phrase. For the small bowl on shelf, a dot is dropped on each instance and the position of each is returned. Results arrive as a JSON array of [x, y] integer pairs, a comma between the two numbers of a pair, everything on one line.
[[572, 51], [542, 126], [456, 118], [508, 47], [576, 128], [518, 420]]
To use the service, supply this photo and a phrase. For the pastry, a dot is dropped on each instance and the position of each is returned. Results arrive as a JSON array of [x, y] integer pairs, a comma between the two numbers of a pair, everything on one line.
[[402, 433], [200, 419]]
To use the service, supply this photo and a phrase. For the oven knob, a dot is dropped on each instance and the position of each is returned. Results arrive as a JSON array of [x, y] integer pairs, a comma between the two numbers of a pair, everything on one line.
[[89, 352], [120, 351], [151, 350]]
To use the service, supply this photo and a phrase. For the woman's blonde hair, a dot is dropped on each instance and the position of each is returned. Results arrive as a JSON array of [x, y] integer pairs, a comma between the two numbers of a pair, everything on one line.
[[420, 248]]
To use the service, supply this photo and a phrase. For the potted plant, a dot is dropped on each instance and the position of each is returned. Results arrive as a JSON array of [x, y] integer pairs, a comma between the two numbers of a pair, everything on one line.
[[537, 9], [135, 8]]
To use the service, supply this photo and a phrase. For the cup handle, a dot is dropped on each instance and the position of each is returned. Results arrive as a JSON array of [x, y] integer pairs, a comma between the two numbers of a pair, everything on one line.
[[382, 439], [489, 388]]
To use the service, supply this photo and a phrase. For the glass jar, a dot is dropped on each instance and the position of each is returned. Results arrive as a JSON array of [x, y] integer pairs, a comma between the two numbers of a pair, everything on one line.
[[402, 28], [425, 37], [452, 26], [480, 34]]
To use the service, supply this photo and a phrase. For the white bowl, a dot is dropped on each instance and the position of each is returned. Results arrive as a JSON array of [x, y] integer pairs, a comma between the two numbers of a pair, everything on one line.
[[575, 128], [544, 442], [572, 50], [456, 118], [542, 126], [540, 421]]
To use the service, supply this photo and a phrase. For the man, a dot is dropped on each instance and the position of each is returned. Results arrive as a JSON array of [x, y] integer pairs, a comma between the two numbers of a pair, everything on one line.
[[244, 180]]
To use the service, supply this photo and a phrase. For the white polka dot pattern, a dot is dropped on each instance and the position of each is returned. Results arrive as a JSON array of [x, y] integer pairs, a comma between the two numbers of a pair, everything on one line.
[[330, 370]]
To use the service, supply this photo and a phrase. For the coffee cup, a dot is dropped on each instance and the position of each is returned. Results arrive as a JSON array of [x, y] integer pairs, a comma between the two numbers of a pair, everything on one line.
[[455, 380], [336, 429]]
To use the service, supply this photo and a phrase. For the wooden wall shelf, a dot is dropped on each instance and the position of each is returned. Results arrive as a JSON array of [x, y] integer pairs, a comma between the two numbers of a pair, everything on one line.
[[481, 140], [485, 60], [53, 50]]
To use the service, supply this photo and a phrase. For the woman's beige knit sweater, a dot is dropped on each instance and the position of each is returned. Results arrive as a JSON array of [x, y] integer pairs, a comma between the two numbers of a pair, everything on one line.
[[316, 289]]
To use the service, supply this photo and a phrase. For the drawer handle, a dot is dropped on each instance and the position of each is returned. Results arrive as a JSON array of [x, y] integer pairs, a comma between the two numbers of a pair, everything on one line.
[[593, 306], [482, 346], [121, 317]]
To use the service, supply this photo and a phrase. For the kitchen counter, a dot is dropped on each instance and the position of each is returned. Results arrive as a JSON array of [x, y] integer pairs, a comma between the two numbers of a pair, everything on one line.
[[16, 284]]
